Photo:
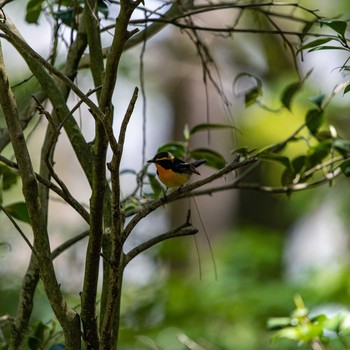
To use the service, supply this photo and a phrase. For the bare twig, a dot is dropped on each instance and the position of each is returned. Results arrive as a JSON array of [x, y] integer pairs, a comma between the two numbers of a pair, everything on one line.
[[184, 230], [268, 189], [69, 243], [68, 199], [22, 46], [19, 230]]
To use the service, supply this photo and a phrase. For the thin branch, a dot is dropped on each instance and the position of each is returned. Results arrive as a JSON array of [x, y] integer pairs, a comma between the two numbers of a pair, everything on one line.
[[182, 191], [127, 117], [111, 316], [92, 260], [21, 46], [14, 223], [183, 230], [268, 189], [68, 199], [69, 243]]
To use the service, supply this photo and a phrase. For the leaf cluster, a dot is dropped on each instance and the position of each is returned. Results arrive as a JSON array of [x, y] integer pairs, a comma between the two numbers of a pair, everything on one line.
[[318, 331]]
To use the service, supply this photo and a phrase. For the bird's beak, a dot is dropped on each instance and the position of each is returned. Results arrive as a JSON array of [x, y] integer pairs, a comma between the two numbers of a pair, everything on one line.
[[150, 161]]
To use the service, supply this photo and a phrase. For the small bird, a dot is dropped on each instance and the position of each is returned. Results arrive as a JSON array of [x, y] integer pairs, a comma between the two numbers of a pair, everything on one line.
[[172, 171]]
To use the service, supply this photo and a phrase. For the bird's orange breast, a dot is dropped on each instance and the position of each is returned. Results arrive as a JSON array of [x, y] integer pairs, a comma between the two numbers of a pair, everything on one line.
[[171, 178]]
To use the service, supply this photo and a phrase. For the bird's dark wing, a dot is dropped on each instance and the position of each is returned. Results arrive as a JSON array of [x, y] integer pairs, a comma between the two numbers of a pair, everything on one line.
[[199, 162], [189, 168]]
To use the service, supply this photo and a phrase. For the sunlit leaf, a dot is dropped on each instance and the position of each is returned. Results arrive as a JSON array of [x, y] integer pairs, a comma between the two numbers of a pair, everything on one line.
[[314, 119], [19, 211], [251, 96], [286, 333], [33, 11], [310, 331], [214, 159], [278, 322], [176, 148], [336, 25], [206, 127]]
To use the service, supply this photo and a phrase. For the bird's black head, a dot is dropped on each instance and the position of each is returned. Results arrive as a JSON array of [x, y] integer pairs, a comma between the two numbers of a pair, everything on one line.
[[161, 157]]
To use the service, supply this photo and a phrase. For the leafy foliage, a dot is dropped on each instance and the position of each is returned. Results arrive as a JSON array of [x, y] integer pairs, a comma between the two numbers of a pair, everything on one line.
[[317, 329]]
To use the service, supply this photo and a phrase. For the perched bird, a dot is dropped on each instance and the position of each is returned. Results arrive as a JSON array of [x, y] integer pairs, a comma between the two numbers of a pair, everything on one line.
[[172, 171]]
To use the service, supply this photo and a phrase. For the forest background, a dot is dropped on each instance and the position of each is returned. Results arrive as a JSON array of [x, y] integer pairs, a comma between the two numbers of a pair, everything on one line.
[[272, 250]]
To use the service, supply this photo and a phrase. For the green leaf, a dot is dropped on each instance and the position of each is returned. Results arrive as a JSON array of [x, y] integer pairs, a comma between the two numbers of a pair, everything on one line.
[[289, 93], [19, 211], [308, 332], [9, 176], [347, 89], [342, 146], [131, 205], [287, 177], [298, 163], [336, 25], [102, 8], [252, 93], [251, 96], [306, 29], [276, 158], [176, 148], [214, 159], [279, 322], [314, 119], [318, 153], [206, 127], [65, 15], [317, 100], [33, 11], [35, 341], [286, 333], [155, 185], [315, 43], [328, 47]]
